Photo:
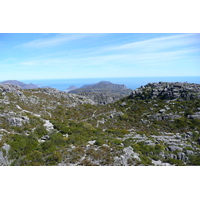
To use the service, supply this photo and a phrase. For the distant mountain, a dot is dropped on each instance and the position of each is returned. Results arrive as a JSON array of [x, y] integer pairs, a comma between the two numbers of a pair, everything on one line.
[[105, 87], [71, 88], [21, 84]]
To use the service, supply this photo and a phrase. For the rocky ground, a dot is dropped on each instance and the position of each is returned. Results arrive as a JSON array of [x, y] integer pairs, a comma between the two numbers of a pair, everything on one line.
[[157, 124]]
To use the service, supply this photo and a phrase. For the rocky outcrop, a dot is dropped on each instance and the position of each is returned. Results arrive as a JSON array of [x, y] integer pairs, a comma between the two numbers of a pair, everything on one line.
[[16, 121], [128, 154], [168, 91], [102, 98], [163, 116], [8, 88], [4, 161], [73, 99]]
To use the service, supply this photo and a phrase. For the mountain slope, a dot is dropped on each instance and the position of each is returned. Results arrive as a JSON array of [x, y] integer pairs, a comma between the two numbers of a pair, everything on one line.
[[48, 127]]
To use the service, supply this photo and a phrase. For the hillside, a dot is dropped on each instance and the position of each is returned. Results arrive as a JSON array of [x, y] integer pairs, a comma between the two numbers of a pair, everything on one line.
[[157, 124]]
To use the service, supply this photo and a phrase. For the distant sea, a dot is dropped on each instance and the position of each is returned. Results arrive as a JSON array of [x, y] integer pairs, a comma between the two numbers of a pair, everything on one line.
[[131, 83]]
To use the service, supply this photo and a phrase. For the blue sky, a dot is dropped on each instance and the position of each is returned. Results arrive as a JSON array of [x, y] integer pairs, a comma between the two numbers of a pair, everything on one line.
[[93, 55]]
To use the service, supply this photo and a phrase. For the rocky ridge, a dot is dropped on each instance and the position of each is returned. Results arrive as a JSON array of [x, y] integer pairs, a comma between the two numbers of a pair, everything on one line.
[[168, 91]]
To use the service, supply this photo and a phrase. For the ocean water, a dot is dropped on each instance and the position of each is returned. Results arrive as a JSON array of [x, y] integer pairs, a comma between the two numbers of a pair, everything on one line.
[[131, 83]]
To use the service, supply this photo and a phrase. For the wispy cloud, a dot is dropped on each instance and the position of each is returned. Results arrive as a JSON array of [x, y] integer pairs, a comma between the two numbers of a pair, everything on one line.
[[160, 43], [54, 41], [101, 60], [89, 53]]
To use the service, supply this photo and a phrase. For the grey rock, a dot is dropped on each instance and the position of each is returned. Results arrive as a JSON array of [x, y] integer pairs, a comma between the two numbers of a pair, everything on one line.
[[181, 156], [198, 140], [48, 125], [162, 111], [4, 156], [175, 148], [189, 152], [190, 134], [123, 104], [3, 160], [8, 88], [92, 142], [173, 156], [16, 121], [168, 91], [6, 147], [100, 98], [111, 116], [194, 116], [160, 163], [128, 154], [45, 137]]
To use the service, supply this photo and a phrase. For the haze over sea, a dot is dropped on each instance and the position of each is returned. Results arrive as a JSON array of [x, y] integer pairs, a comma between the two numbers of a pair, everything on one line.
[[131, 82]]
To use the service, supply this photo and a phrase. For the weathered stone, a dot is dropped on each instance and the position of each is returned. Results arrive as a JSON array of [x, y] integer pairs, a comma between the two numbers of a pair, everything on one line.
[[198, 140], [16, 121], [129, 154], [48, 125], [166, 90], [181, 156], [160, 163], [6, 147], [174, 148], [190, 134], [92, 142], [162, 111], [189, 152], [45, 137], [123, 104], [173, 156], [194, 116]]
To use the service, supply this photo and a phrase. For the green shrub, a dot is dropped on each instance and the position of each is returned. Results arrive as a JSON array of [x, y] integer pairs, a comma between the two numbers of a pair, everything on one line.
[[124, 117], [53, 159], [174, 161], [194, 160], [99, 141], [22, 145], [40, 131], [145, 160], [57, 139]]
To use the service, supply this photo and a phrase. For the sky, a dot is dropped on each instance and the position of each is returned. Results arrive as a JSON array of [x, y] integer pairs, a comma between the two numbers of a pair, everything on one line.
[[98, 55]]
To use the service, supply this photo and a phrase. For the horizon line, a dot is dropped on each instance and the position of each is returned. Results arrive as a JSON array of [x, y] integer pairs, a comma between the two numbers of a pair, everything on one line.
[[102, 77]]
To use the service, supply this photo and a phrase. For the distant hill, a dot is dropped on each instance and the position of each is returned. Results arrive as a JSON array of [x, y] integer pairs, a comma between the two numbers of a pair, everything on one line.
[[21, 84], [105, 87], [71, 88]]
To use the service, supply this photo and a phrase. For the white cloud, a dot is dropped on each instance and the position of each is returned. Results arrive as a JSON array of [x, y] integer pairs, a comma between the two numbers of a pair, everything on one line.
[[53, 41], [159, 43]]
